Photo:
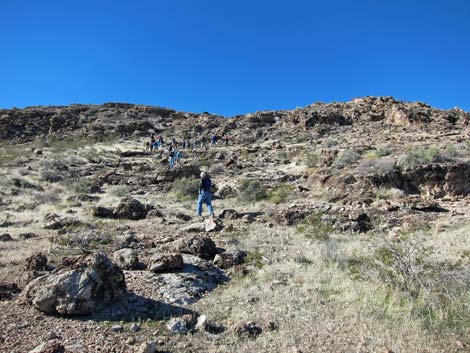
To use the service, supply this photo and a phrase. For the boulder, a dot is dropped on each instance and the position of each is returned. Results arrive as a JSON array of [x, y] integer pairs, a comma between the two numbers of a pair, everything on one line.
[[166, 262], [250, 329], [202, 247], [126, 259], [87, 286], [49, 347], [229, 259], [130, 208], [212, 225], [36, 262]]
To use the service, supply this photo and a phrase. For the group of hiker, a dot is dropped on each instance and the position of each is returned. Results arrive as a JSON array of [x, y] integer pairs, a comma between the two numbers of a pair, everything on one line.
[[175, 154]]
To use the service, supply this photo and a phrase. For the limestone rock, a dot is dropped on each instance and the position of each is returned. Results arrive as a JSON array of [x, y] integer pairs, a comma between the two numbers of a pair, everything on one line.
[[229, 259], [92, 284], [127, 259], [166, 262]]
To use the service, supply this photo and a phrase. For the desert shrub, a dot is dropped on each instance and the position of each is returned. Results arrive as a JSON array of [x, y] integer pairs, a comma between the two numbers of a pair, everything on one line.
[[376, 165], [437, 291], [11, 152], [251, 190], [379, 152], [81, 186], [54, 170], [64, 144], [316, 226], [389, 193], [311, 159], [330, 142], [186, 189], [282, 155], [279, 193], [345, 158], [119, 190], [421, 156]]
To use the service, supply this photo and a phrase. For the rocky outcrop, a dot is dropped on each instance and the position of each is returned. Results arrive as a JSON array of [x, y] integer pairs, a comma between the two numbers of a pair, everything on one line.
[[202, 247], [81, 287], [128, 208]]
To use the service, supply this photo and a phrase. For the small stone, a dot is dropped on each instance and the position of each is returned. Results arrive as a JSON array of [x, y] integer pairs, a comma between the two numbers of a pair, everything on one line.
[[51, 335], [166, 262], [178, 326], [135, 327], [5, 237], [201, 323], [146, 347], [117, 328], [130, 340]]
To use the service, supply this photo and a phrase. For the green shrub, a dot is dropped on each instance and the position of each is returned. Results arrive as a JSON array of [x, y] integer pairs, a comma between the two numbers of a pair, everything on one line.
[[421, 156], [311, 159], [186, 189], [437, 291], [345, 158], [251, 190], [379, 152], [316, 226], [119, 190], [279, 193], [330, 142]]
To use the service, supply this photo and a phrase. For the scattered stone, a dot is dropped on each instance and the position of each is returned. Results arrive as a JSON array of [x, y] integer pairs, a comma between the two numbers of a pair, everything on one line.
[[147, 347], [229, 214], [92, 284], [229, 259], [177, 326], [126, 259], [166, 262], [103, 212], [117, 328], [36, 262], [154, 214], [56, 222], [212, 225], [130, 340], [26, 236], [135, 327], [250, 329], [49, 347], [5, 237], [37, 152], [8, 290], [51, 335], [95, 189], [201, 323]]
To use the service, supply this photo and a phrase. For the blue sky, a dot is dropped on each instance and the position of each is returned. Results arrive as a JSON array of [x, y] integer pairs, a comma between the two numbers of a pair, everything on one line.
[[234, 56]]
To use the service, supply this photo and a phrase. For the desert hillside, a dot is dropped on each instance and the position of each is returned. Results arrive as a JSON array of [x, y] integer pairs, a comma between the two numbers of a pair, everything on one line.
[[339, 227]]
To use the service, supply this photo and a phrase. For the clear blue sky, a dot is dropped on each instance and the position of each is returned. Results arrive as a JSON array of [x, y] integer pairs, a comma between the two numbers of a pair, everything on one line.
[[233, 56]]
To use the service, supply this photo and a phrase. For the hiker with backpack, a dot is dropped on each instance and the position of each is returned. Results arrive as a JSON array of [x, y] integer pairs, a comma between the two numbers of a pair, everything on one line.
[[171, 157], [205, 195]]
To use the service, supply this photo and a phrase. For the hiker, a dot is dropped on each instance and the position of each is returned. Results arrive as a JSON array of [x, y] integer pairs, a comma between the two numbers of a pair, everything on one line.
[[213, 139], [171, 157], [203, 142], [178, 156], [205, 195]]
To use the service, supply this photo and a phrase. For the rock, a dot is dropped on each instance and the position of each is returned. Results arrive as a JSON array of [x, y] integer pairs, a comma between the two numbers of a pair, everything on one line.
[[229, 259], [166, 262], [202, 247], [56, 222], [36, 262], [154, 214], [177, 326], [201, 323], [135, 327], [130, 340], [132, 209], [7, 290], [212, 225], [103, 212], [229, 214], [37, 152], [126, 259], [95, 189], [194, 228], [5, 237], [92, 284], [247, 218], [26, 236], [146, 347], [250, 329], [49, 347], [117, 328]]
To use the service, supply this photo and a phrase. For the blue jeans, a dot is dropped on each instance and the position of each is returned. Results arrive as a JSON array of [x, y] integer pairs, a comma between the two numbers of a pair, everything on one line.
[[172, 162], [205, 197]]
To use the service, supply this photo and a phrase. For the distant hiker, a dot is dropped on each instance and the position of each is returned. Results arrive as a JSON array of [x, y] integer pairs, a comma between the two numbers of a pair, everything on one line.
[[178, 156], [160, 139], [203, 142], [171, 157], [205, 195], [149, 144], [194, 144], [213, 139]]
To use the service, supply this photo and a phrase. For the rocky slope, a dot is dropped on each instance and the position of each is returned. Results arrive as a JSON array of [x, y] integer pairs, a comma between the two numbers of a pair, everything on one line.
[[361, 207]]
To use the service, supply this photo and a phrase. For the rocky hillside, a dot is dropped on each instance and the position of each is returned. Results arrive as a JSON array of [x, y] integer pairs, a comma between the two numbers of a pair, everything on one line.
[[339, 227]]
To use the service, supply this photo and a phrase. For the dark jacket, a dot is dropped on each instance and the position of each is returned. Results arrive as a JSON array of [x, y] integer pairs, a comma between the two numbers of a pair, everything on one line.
[[205, 185]]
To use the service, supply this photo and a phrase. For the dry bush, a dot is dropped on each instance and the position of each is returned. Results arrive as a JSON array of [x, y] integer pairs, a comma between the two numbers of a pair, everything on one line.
[[376, 165], [345, 158], [251, 190], [422, 156], [316, 226], [280, 193], [186, 189]]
